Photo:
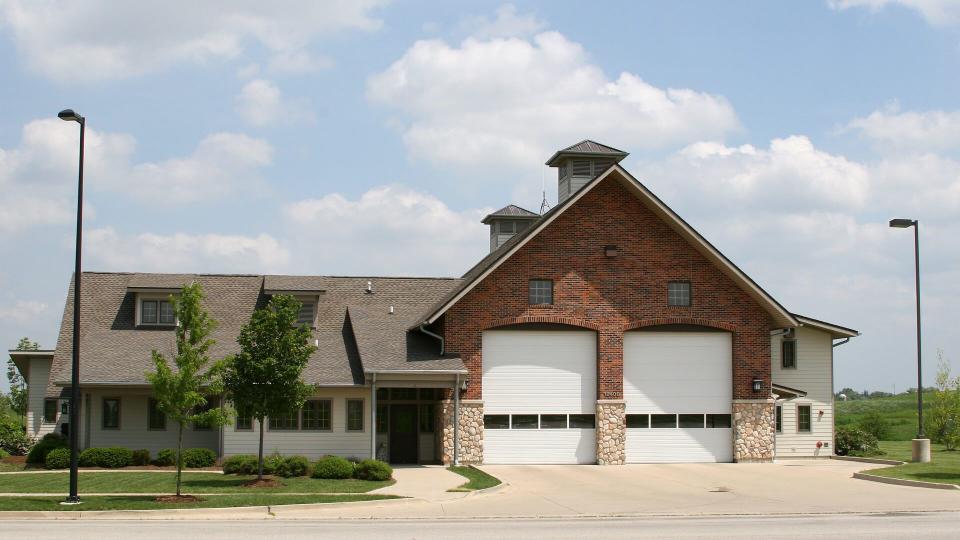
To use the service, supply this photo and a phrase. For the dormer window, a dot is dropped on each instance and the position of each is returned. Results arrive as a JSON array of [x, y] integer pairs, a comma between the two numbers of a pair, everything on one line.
[[157, 312], [307, 311]]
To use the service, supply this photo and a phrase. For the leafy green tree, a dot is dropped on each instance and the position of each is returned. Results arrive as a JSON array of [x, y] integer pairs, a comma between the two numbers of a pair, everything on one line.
[[181, 390], [943, 418], [18, 390], [875, 424], [265, 378]]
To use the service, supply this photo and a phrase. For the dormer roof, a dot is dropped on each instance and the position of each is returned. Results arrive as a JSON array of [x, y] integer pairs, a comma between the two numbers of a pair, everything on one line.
[[586, 148]]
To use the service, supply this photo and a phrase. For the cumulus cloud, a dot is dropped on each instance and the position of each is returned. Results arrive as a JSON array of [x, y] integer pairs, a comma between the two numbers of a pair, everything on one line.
[[95, 40], [22, 311], [182, 252], [923, 131], [505, 23], [261, 103], [514, 101], [935, 12], [390, 229]]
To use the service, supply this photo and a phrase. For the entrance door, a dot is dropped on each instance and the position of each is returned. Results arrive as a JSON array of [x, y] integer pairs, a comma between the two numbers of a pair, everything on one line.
[[403, 433]]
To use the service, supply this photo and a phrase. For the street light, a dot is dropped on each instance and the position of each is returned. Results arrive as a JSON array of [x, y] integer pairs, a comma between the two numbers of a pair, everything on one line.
[[921, 445], [70, 116]]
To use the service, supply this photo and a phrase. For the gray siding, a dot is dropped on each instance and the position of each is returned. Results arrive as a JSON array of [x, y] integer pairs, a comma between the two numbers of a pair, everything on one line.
[[37, 381], [813, 374]]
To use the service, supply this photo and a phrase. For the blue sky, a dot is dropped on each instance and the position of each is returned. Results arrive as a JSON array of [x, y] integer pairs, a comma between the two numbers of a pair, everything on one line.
[[370, 137]]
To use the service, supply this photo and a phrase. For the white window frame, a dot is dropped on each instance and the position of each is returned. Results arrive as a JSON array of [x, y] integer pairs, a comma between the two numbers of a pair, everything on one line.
[[311, 299], [158, 297]]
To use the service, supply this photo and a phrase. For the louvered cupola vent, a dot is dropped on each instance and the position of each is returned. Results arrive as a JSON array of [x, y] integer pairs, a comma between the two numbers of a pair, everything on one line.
[[581, 163], [507, 222]]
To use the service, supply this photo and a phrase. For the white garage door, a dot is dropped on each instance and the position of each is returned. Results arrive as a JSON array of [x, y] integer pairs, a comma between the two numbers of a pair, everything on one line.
[[539, 396], [679, 388]]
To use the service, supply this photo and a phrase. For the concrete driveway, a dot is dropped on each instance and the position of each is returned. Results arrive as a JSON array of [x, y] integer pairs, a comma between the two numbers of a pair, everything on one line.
[[783, 488]]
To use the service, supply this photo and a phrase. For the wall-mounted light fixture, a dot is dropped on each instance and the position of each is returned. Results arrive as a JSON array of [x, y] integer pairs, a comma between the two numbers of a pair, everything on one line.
[[757, 384], [610, 251]]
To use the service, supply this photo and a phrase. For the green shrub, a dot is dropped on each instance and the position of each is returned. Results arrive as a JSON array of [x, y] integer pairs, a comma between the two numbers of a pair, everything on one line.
[[141, 457], [13, 438], [166, 458], [240, 464], [875, 424], [38, 454], [58, 458], [197, 458], [373, 469], [333, 467], [106, 458], [856, 442], [3, 453], [297, 466]]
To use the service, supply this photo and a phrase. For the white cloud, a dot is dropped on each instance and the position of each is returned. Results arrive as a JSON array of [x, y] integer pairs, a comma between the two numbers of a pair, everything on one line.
[[389, 229], [95, 40], [935, 12], [261, 103], [514, 101], [182, 252], [923, 131], [294, 62], [22, 311], [506, 23]]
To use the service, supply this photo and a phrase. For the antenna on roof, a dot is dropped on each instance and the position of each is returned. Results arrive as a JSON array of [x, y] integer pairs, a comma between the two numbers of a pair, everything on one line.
[[544, 205], [369, 287]]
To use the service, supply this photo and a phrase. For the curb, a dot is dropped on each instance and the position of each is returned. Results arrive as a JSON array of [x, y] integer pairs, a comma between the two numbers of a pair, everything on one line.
[[878, 461], [902, 482]]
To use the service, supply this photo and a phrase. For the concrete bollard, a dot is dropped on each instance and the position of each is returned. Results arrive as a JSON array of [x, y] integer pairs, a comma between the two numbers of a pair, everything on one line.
[[921, 451]]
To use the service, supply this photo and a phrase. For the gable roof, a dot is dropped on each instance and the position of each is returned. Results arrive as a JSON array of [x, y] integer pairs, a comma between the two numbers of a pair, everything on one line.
[[586, 148], [492, 261], [511, 211]]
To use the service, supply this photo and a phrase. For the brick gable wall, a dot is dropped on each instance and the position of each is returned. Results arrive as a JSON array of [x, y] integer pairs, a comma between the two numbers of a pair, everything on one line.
[[611, 295]]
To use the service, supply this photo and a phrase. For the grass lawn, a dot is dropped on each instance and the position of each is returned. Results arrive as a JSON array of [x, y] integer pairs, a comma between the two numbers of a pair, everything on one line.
[[477, 479], [147, 503], [165, 482], [10, 467], [900, 411], [944, 466]]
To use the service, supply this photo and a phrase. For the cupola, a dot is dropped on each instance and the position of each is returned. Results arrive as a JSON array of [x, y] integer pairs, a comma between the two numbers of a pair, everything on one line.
[[506, 222], [581, 163]]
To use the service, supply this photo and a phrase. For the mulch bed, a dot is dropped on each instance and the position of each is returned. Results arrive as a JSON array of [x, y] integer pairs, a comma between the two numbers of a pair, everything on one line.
[[267, 482], [178, 499], [15, 459]]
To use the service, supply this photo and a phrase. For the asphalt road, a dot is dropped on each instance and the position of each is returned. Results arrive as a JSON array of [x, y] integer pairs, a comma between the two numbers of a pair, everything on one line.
[[847, 526]]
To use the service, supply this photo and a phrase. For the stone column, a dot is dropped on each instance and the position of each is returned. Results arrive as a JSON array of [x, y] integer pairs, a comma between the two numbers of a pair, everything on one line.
[[611, 432], [754, 430], [471, 431]]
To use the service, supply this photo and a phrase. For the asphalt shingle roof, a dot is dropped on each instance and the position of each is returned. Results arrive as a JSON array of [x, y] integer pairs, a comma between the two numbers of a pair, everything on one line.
[[511, 211], [586, 147]]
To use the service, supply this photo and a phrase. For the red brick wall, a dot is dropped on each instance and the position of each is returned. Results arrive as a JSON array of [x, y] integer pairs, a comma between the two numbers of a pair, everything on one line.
[[611, 294]]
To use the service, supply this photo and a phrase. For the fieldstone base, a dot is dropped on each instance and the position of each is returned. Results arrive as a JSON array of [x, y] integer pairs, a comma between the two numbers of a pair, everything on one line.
[[471, 431], [611, 432], [754, 430]]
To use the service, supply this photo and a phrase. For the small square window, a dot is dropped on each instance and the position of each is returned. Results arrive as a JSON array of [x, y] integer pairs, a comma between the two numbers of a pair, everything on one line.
[[111, 413], [678, 293], [148, 312], [583, 421], [718, 421], [638, 421], [553, 421], [316, 415], [496, 421], [49, 411], [788, 353], [541, 291], [663, 420], [155, 418], [523, 421], [354, 415], [803, 418], [691, 420], [244, 424]]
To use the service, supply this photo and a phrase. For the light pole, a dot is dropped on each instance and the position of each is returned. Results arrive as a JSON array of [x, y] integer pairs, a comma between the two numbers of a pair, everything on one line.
[[921, 445], [74, 498]]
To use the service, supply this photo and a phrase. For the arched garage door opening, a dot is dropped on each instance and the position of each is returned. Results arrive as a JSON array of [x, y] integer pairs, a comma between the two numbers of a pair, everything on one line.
[[678, 385], [539, 395]]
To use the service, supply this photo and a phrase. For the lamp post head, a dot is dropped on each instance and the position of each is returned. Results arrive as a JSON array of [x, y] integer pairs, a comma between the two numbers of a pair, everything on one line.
[[69, 116], [902, 223]]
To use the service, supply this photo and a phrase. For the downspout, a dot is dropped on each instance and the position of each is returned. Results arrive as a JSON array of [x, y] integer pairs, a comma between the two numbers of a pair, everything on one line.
[[373, 417], [423, 328], [841, 342], [456, 421]]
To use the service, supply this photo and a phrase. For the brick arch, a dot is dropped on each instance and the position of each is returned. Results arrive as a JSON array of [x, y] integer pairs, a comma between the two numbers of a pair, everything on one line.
[[549, 319], [660, 321]]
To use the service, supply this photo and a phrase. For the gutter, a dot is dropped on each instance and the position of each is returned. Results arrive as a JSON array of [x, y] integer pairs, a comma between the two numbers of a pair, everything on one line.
[[841, 342], [423, 328], [419, 371]]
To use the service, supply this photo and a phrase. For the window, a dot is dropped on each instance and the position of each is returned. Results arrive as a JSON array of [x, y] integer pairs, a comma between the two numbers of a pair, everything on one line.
[[779, 418], [111, 413], [244, 424], [638, 420], [283, 422], [427, 420], [305, 316], [496, 421], [788, 353], [803, 418], [691, 420], [678, 293], [317, 414], [718, 421], [155, 418], [506, 227], [553, 421], [159, 312], [49, 411], [383, 418], [663, 420], [212, 403], [354, 415], [541, 291], [583, 421], [523, 421]]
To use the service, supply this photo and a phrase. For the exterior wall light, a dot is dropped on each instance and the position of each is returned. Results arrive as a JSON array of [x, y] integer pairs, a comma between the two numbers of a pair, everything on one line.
[[757, 384]]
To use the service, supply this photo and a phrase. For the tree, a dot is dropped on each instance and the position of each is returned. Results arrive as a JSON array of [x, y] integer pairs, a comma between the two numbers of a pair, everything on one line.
[[265, 378], [181, 390], [943, 419], [18, 390]]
